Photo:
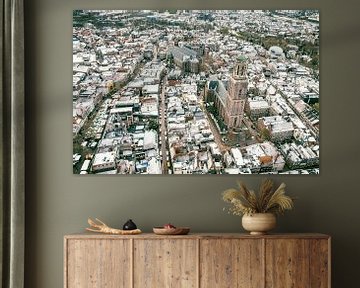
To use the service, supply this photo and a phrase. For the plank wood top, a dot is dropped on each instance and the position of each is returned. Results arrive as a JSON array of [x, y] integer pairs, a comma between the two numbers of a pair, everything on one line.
[[89, 235]]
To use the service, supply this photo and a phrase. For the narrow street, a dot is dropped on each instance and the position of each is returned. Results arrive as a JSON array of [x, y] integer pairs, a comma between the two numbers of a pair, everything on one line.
[[162, 122], [163, 128], [302, 118], [248, 123]]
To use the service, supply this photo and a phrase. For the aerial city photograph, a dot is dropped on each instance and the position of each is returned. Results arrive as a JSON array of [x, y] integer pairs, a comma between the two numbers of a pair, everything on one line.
[[196, 92]]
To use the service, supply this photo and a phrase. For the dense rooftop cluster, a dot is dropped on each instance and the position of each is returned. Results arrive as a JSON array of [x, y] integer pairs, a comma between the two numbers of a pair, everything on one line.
[[148, 87]]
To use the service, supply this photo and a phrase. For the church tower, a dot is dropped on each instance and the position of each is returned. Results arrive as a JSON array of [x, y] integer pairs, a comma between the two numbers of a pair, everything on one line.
[[235, 102]]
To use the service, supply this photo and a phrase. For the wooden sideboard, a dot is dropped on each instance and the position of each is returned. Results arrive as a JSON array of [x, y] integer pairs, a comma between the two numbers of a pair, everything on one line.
[[197, 260]]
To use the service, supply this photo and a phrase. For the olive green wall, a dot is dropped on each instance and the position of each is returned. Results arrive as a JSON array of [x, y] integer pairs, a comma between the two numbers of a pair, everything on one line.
[[58, 202]]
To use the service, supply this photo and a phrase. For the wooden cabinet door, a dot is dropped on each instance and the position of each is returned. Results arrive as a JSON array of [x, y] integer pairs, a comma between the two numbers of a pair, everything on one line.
[[197, 262], [93, 263], [297, 263], [320, 263], [165, 263], [231, 263], [287, 263]]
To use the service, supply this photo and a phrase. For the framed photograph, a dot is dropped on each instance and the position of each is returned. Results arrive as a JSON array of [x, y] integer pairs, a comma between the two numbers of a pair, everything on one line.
[[195, 92]]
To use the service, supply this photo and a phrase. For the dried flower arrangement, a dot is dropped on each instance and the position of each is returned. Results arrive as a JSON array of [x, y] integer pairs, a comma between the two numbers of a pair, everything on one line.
[[267, 200]]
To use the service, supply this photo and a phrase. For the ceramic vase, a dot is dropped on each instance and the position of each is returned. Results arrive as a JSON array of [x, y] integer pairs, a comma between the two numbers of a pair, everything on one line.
[[259, 223]]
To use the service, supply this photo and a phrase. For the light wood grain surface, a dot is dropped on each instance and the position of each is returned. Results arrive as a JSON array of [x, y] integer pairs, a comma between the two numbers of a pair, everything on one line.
[[165, 263], [287, 263], [98, 263], [88, 235], [319, 263], [203, 260], [227, 263]]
